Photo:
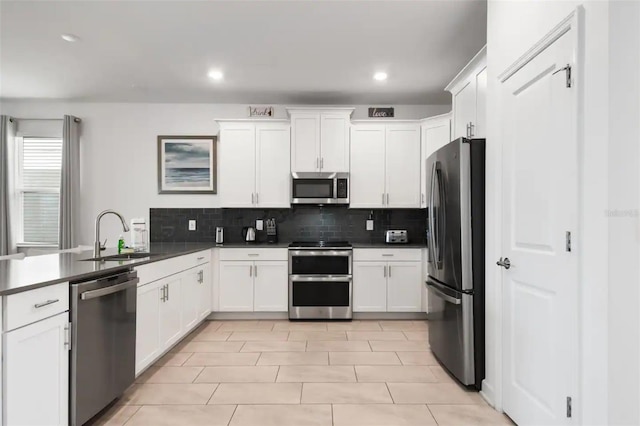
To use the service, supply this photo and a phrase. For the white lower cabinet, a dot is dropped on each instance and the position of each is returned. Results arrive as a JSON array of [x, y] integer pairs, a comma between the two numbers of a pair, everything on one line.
[[236, 286], [369, 287], [404, 287], [148, 324], [270, 287], [36, 373], [387, 285], [170, 307], [253, 286]]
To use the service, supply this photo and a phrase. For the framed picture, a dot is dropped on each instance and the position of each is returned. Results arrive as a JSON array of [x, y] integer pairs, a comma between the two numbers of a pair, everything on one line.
[[187, 165]]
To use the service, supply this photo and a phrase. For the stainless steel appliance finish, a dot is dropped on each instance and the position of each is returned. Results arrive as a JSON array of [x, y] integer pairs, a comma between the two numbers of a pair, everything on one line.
[[320, 280], [219, 235], [398, 236], [249, 234], [456, 257], [103, 343], [319, 188], [97, 246]]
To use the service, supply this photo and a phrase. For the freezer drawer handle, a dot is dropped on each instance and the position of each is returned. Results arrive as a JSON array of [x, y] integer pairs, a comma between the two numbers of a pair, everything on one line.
[[443, 295]]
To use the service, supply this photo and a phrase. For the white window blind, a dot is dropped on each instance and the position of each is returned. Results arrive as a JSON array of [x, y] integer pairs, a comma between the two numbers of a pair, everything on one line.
[[39, 189]]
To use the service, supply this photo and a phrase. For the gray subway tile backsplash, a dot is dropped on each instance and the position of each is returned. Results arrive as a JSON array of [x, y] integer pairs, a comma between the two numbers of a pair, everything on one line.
[[293, 224]]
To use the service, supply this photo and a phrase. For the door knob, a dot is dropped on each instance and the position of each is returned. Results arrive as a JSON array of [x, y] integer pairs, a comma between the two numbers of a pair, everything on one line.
[[506, 263]]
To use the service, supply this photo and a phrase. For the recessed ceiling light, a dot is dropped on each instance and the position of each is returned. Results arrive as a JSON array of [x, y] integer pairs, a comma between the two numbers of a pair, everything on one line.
[[380, 76], [216, 75], [71, 38]]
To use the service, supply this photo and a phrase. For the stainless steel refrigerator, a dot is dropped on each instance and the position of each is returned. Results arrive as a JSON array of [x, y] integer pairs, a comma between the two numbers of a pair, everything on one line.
[[455, 241]]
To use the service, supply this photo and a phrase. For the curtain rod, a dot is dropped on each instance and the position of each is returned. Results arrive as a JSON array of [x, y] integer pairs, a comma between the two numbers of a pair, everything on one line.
[[76, 119]]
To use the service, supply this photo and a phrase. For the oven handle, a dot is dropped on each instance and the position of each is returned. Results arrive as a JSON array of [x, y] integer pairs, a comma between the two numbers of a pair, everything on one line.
[[308, 253], [327, 278]]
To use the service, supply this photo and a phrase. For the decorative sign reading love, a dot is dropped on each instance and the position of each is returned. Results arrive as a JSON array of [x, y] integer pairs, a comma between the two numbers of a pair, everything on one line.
[[381, 112], [261, 111]]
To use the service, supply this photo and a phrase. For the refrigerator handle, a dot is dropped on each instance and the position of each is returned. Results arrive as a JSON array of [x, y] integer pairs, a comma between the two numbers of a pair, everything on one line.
[[431, 246], [442, 295], [442, 214]]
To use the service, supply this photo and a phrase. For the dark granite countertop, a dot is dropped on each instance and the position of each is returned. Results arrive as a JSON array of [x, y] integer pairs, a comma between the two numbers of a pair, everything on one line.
[[39, 271]]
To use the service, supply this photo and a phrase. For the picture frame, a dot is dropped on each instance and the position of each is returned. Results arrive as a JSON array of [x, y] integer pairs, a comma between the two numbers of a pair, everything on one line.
[[187, 164]]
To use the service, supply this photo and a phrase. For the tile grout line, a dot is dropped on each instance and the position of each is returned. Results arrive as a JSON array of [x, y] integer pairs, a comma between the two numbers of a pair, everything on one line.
[[213, 393], [185, 361], [431, 412], [389, 390], [134, 413], [198, 375], [233, 414]]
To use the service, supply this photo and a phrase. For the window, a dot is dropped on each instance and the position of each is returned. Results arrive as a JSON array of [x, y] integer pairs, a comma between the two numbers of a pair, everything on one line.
[[38, 189]]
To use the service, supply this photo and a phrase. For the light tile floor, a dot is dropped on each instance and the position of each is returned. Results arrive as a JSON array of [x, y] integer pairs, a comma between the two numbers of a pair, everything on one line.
[[281, 373]]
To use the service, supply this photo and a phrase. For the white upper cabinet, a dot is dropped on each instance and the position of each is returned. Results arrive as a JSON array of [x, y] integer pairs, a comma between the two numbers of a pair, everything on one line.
[[402, 165], [320, 139], [436, 133], [468, 90], [254, 164], [385, 165]]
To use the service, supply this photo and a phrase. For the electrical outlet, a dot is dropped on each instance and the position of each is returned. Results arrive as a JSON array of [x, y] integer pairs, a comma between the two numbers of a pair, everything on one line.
[[369, 225], [259, 224], [192, 225]]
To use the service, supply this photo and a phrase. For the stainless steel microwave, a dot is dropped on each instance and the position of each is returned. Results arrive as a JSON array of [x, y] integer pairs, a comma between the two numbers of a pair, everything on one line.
[[319, 188]]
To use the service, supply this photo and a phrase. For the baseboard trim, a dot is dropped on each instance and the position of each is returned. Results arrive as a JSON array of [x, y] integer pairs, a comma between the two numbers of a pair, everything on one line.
[[230, 316]]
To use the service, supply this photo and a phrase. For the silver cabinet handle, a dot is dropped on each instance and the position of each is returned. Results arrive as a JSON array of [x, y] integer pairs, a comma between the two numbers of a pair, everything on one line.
[[506, 263], [317, 162], [162, 294], [471, 126], [250, 270], [252, 198], [422, 198], [255, 270], [387, 198], [321, 163], [200, 277], [168, 296], [467, 130], [254, 254], [201, 258], [383, 198], [257, 197], [387, 254], [389, 269], [384, 271], [47, 303]]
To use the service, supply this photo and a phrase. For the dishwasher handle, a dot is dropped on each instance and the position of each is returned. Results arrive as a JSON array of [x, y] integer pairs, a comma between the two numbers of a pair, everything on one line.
[[92, 294]]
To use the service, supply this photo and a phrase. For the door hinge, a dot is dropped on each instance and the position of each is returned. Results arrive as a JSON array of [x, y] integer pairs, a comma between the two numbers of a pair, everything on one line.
[[568, 407], [67, 336], [568, 241], [567, 70]]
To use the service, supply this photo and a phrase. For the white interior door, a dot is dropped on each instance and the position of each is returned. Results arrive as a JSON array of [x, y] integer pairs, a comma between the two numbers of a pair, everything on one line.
[[367, 167], [540, 198], [273, 182]]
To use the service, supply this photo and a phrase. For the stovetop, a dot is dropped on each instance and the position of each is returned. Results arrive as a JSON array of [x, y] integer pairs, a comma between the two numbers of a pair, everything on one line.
[[320, 244]]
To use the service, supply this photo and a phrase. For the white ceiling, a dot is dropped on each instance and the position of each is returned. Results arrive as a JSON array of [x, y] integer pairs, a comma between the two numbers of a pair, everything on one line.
[[303, 52]]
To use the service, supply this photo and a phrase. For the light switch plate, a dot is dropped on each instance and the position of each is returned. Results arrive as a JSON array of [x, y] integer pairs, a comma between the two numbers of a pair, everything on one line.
[[192, 225], [369, 225], [259, 225]]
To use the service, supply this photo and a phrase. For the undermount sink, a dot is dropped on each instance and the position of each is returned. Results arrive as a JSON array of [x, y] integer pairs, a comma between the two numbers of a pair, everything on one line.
[[124, 256]]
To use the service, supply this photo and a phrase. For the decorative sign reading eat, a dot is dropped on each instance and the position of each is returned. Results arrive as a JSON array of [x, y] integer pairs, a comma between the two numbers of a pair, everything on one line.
[[381, 112], [261, 111]]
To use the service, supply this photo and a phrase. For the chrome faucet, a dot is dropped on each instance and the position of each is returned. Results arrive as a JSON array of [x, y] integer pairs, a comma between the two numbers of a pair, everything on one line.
[[97, 246]]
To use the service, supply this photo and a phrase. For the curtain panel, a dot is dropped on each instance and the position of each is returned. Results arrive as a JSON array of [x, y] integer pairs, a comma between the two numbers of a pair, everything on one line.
[[70, 184], [7, 135]]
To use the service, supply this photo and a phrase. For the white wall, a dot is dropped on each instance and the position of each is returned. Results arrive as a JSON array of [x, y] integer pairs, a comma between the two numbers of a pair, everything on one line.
[[513, 27], [119, 151]]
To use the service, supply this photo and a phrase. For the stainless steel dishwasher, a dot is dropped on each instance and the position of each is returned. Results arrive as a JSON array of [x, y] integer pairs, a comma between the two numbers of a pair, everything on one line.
[[103, 343]]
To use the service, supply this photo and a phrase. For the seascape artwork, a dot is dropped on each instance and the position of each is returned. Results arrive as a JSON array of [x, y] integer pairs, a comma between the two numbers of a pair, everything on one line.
[[187, 164]]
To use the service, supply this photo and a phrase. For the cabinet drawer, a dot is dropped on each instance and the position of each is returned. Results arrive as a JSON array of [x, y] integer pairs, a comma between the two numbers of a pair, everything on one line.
[[195, 259], [253, 254], [154, 271], [31, 306], [376, 255]]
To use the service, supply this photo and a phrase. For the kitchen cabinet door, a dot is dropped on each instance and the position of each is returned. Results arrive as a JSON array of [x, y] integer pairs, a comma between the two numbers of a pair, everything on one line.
[[273, 175], [436, 133], [367, 176], [305, 142], [237, 165], [189, 298], [271, 286], [205, 289], [36, 373], [236, 286], [334, 142], [404, 287], [464, 109], [479, 124], [369, 287], [170, 313], [402, 166], [147, 325]]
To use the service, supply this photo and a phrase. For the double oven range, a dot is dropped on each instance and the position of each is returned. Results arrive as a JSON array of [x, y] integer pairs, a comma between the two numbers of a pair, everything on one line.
[[320, 280]]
